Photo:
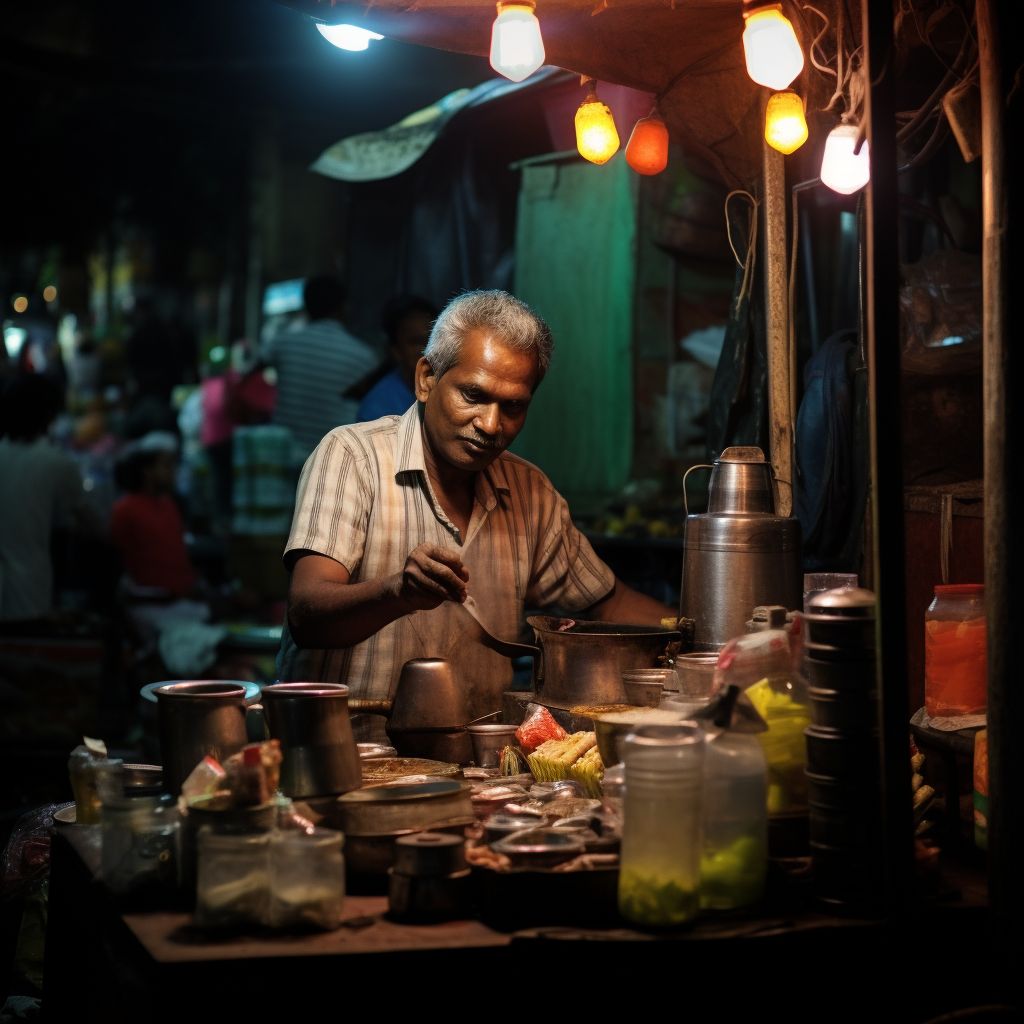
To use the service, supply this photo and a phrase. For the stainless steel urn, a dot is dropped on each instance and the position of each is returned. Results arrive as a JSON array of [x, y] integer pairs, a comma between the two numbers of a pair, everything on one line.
[[739, 554]]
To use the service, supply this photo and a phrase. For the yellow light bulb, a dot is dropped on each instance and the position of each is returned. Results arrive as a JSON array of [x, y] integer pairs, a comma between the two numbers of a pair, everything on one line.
[[785, 127], [596, 136], [517, 49], [772, 51]]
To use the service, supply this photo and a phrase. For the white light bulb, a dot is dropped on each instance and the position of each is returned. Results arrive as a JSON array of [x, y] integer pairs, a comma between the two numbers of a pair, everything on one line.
[[840, 169], [347, 37], [517, 49], [770, 46]]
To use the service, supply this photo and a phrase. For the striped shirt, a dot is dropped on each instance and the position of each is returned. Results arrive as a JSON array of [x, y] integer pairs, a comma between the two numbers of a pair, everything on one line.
[[364, 499], [315, 364]]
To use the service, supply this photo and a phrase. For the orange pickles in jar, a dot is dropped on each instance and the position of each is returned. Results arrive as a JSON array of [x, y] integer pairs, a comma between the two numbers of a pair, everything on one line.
[[955, 654]]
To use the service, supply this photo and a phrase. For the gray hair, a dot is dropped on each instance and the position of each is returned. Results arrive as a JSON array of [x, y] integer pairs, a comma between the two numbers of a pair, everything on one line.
[[509, 318]]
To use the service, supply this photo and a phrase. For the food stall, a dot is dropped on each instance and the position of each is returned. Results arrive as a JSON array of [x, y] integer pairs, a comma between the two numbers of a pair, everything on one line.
[[911, 915]]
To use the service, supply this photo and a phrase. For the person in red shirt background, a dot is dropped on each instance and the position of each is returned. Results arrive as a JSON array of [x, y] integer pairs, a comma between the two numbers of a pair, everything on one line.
[[146, 523]]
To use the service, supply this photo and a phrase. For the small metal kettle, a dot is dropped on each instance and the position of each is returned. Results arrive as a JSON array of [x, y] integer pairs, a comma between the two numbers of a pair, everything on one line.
[[739, 554]]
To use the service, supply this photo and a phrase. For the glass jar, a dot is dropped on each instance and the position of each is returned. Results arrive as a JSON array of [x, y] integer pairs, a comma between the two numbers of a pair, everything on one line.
[[140, 844], [735, 858], [233, 879], [955, 652], [307, 878], [659, 869]]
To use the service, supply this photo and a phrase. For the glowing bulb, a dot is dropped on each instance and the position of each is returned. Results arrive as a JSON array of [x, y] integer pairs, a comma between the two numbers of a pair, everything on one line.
[[49, 293], [347, 37], [596, 137], [773, 54], [647, 149], [841, 170], [517, 49], [785, 127], [20, 304]]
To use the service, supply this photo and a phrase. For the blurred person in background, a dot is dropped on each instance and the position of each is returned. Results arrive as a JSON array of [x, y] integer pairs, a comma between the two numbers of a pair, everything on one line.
[[43, 490], [316, 365], [406, 321]]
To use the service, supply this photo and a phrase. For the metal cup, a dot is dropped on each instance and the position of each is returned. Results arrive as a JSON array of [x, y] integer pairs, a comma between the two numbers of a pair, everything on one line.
[[198, 719], [318, 750]]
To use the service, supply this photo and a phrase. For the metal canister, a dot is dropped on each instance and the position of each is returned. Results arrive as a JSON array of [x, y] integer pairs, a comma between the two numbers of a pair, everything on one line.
[[739, 554]]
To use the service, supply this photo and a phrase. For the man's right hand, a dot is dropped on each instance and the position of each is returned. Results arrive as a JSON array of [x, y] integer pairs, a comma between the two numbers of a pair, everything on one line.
[[431, 576]]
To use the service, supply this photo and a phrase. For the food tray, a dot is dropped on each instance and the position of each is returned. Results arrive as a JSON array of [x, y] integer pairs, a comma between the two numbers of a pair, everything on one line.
[[378, 770]]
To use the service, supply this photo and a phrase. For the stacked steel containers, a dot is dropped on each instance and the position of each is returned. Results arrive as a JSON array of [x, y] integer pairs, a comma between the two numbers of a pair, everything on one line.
[[843, 769]]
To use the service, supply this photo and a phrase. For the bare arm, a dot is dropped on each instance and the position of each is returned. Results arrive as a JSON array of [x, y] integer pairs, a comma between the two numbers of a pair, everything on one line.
[[326, 610], [624, 604]]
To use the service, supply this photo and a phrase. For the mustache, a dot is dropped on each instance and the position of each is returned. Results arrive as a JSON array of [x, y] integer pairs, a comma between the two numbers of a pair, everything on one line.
[[493, 445]]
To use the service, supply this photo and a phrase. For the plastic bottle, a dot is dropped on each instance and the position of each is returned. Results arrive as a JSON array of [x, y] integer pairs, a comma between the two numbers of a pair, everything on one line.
[[762, 664], [662, 832], [955, 653]]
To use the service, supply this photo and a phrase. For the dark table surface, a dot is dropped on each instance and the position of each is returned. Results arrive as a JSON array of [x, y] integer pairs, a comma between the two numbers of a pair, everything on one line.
[[153, 964]]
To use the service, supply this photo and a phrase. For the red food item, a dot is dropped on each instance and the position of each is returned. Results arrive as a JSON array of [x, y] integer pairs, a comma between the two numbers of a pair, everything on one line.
[[538, 727]]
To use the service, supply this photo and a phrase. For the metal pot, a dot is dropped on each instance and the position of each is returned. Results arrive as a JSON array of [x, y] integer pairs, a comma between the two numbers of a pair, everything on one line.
[[584, 663], [318, 750]]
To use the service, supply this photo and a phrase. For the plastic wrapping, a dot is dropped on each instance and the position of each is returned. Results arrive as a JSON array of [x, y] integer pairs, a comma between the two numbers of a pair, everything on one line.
[[538, 727]]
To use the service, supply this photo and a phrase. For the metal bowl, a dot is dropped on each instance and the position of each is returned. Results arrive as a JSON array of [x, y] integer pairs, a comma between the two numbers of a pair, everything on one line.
[[540, 847]]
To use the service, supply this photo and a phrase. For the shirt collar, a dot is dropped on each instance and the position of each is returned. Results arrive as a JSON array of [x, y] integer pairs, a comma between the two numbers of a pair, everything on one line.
[[410, 458]]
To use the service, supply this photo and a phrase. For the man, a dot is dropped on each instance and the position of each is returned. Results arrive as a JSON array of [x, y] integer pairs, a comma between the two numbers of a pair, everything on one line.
[[316, 364], [398, 519], [43, 489], [406, 321]]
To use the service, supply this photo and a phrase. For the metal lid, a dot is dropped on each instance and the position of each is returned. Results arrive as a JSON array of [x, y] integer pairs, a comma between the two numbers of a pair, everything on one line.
[[430, 853], [851, 602], [411, 791], [299, 691]]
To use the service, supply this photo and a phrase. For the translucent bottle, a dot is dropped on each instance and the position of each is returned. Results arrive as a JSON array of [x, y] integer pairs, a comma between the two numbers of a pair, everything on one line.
[[735, 858], [955, 651], [659, 870]]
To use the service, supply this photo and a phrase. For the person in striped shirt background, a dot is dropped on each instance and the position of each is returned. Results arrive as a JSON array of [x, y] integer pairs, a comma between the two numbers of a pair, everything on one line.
[[316, 365]]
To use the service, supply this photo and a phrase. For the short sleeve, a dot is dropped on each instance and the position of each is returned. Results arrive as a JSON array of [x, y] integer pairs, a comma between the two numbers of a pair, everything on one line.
[[332, 505], [566, 572]]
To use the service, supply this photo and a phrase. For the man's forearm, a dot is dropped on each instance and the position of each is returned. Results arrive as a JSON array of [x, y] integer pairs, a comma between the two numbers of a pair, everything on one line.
[[331, 614], [624, 604]]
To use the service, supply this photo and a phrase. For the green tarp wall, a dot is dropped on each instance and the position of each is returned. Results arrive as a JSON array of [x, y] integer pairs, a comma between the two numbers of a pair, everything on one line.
[[575, 265]]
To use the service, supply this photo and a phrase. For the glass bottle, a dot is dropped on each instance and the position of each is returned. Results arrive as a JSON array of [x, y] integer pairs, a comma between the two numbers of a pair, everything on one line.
[[659, 869], [140, 844], [955, 652]]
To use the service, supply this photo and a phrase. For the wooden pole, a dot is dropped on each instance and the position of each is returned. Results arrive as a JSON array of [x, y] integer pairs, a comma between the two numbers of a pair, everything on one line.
[[776, 293], [883, 358]]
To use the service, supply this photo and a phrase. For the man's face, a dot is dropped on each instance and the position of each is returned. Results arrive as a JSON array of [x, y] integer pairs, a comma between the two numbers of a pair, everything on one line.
[[410, 340], [474, 412]]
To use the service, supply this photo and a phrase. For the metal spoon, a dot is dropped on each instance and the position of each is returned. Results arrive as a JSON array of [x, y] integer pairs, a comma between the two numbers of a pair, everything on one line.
[[506, 647]]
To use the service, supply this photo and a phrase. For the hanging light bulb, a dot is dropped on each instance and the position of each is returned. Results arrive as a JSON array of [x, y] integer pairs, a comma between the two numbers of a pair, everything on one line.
[[347, 37], [772, 51], [785, 127], [647, 149], [841, 169], [596, 137], [517, 49]]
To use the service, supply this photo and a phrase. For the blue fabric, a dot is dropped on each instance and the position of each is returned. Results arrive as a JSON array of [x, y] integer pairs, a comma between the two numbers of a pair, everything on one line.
[[389, 396]]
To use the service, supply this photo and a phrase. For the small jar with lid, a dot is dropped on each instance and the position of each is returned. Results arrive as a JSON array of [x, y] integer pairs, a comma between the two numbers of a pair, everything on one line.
[[662, 831], [955, 651]]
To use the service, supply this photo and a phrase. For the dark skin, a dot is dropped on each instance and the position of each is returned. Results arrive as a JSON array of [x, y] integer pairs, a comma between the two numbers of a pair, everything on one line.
[[470, 415]]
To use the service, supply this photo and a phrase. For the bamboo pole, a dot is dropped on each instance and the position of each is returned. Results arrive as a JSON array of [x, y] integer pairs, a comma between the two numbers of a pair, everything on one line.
[[776, 288]]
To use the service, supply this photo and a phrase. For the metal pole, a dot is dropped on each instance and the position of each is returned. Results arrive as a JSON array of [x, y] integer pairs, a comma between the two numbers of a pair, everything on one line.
[[1002, 604], [776, 295], [883, 359]]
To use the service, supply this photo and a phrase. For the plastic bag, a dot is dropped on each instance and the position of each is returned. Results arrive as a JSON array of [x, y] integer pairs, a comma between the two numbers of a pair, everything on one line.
[[538, 727]]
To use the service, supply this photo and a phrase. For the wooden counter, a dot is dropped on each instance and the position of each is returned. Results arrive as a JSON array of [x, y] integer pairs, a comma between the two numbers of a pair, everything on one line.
[[155, 965]]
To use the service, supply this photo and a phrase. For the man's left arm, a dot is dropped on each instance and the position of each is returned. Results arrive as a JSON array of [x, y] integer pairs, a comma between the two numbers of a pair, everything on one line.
[[624, 604]]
